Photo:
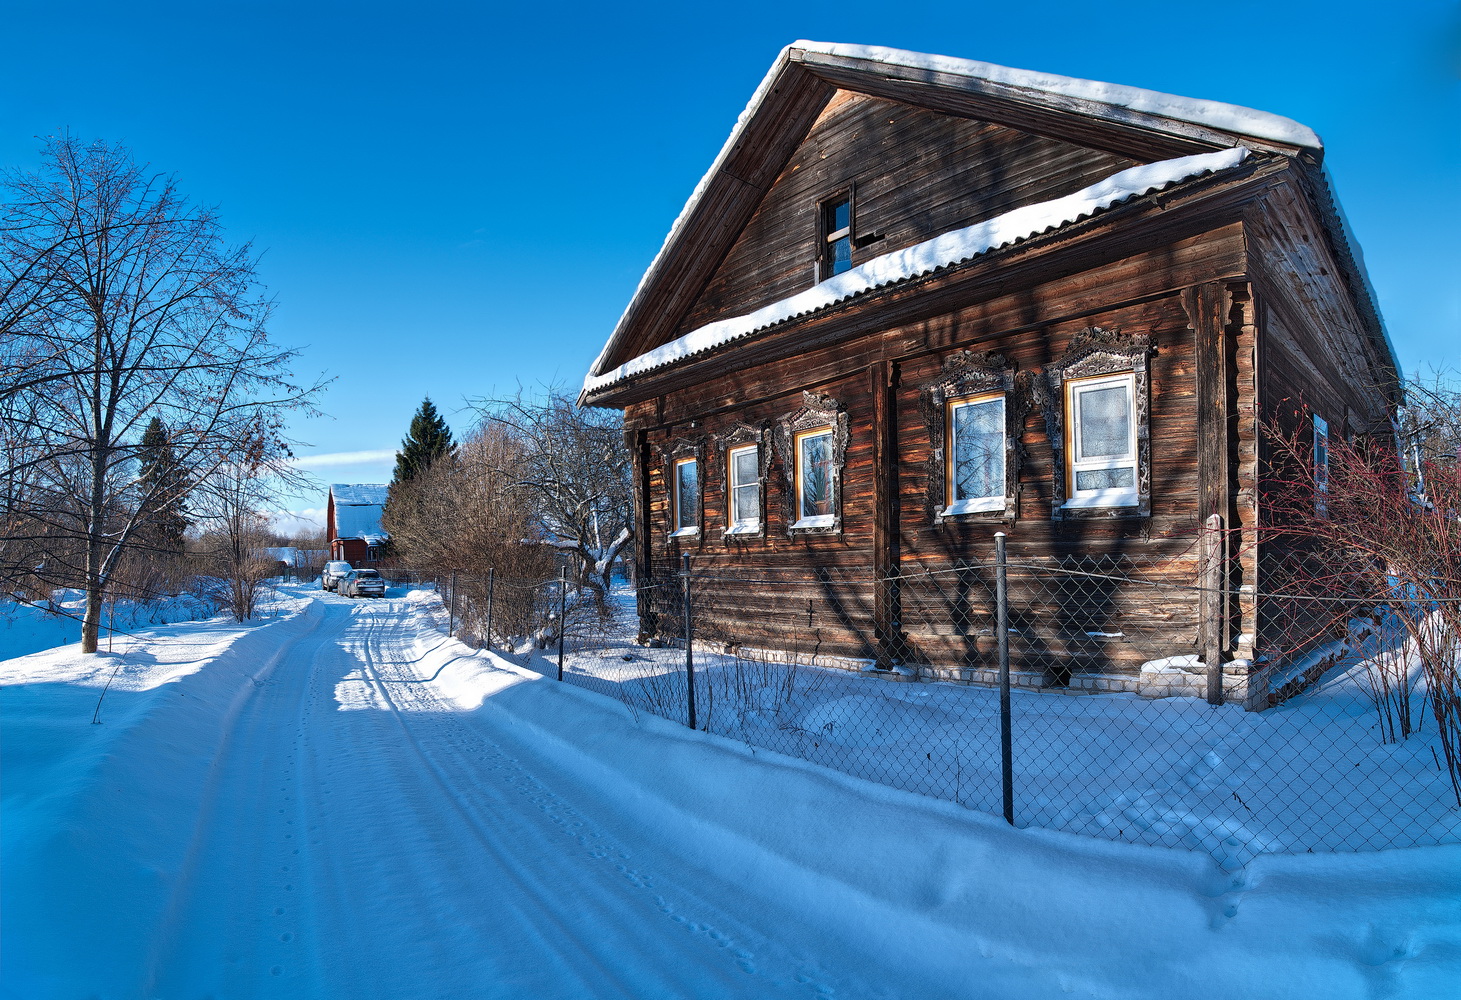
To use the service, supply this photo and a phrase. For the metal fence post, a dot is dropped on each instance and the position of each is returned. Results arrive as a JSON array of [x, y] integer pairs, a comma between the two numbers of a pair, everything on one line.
[[562, 614], [491, 576], [1211, 603], [1002, 627], [689, 642], [451, 618]]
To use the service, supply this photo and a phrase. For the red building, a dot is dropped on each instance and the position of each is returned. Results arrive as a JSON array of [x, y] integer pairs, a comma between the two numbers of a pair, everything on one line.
[[352, 522]]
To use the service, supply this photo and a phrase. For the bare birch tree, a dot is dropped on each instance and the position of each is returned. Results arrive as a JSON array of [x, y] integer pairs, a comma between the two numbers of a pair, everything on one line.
[[122, 302]]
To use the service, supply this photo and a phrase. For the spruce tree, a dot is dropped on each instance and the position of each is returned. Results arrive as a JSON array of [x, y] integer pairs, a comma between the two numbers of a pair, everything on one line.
[[164, 486], [428, 441]]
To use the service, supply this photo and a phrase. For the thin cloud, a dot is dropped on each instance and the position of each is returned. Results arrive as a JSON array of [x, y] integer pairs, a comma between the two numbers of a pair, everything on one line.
[[331, 459]]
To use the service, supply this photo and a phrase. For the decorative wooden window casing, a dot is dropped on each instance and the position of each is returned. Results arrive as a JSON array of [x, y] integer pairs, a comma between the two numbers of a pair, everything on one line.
[[974, 414], [1080, 397], [745, 463], [685, 483], [813, 446]]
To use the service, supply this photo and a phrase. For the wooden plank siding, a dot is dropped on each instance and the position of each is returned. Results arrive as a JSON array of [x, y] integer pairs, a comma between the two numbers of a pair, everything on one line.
[[826, 582], [915, 173]]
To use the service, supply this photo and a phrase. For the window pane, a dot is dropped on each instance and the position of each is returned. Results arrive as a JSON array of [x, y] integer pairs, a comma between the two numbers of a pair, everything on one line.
[[841, 251], [979, 461], [747, 504], [743, 466], [839, 215], [1106, 479], [1105, 422], [687, 494], [816, 475]]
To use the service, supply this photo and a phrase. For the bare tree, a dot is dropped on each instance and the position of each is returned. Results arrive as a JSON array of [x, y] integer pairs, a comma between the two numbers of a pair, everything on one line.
[[122, 302], [461, 515], [231, 504], [574, 474]]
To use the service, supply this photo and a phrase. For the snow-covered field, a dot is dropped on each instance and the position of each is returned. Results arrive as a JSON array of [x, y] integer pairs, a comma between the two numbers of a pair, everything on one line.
[[340, 801]]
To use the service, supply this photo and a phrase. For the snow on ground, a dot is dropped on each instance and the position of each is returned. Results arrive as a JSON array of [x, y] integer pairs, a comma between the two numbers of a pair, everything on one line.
[[341, 801], [1309, 775], [26, 628]]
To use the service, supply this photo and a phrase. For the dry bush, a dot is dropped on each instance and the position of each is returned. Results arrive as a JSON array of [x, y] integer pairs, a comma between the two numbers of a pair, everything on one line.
[[1379, 535], [459, 518]]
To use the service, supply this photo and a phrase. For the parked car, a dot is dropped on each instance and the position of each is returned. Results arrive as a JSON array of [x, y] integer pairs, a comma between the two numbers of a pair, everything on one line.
[[363, 583], [335, 570]]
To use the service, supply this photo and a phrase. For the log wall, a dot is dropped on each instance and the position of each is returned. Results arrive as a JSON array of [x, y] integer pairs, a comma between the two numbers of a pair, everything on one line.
[[779, 586]]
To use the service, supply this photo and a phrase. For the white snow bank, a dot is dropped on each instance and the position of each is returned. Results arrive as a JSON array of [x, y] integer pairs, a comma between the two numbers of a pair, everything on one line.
[[964, 904], [931, 255]]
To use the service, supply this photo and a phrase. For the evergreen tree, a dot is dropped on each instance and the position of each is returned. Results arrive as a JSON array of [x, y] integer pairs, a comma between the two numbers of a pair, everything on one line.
[[164, 488], [428, 441]]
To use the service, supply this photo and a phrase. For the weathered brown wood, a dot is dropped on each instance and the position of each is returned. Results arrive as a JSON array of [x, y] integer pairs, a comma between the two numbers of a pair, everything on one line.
[[883, 388], [1207, 307], [882, 151], [1213, 606], [1122, 233]]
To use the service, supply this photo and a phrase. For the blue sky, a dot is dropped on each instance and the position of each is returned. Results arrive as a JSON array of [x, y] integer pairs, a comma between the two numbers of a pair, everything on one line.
[[452, 199]]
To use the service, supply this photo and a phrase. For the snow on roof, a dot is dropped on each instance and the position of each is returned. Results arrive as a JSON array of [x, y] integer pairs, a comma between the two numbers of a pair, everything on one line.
[[359, 493], [358, 521], [1117, 99], [1213, 114], [931, 255]]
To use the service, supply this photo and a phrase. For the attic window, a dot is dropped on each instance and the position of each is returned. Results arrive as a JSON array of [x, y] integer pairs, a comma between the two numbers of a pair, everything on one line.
[[836, 231]]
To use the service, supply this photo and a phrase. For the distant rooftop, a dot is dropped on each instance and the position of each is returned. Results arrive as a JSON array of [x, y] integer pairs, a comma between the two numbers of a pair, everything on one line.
[[354, 494]]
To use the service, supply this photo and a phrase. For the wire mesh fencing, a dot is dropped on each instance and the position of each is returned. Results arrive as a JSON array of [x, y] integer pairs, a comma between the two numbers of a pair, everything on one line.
[[1074, 695]]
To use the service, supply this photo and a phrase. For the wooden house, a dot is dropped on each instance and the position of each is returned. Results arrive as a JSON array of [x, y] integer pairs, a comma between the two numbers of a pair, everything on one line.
[[919, 300], [352, 523]]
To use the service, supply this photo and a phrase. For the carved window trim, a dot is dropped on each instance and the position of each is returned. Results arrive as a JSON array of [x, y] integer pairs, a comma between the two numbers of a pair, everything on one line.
[[738, 437], [680, 452], [1094, 352], [965, 376], [818, 411]]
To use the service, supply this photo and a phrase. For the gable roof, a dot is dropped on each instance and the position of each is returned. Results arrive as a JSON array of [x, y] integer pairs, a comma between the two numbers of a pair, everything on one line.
[[352, 494], [358, 509], [1143, 124]]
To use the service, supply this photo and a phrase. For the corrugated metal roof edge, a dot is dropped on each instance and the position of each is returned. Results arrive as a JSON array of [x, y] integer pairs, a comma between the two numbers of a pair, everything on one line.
[[587, 393]]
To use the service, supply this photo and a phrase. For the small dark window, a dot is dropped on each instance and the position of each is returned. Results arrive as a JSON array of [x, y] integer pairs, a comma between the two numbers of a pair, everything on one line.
[[836, 235]]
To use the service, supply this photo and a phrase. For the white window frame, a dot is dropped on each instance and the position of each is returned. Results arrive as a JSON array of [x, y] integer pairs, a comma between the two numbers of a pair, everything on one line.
[[738, 525], [681, 528], [973, 505], [814, 520], [1120, 497], [1321, 466]]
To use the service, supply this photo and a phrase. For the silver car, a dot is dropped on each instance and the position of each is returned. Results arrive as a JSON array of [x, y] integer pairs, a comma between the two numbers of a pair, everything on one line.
[[363, 583], [335, 570]]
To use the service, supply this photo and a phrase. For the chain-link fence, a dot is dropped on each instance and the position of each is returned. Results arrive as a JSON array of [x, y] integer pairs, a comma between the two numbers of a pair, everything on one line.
[[1069, 693]]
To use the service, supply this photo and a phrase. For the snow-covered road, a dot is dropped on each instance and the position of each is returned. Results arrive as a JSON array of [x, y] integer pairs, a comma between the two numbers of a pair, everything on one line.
[[340, 802], [357, 835]]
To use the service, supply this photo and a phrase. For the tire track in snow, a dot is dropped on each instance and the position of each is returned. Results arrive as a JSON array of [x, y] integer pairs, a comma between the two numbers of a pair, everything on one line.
[[185, 947], [470, 748]]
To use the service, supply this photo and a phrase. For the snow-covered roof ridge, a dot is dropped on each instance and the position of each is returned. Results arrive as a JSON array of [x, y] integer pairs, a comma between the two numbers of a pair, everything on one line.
[[1197, 111], [359, 493], [940, 252]]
